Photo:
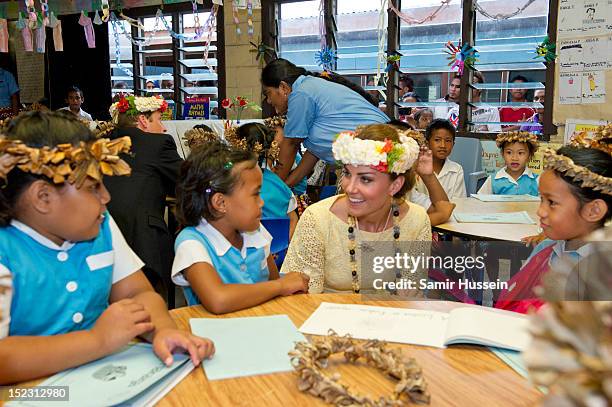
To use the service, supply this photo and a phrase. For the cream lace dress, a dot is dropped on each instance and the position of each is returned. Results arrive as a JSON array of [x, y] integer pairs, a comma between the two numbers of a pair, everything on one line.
[[319, 247]]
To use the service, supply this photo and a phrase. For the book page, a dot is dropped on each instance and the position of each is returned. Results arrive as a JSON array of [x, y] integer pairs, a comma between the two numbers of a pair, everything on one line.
[[488, 326], [402, 325]]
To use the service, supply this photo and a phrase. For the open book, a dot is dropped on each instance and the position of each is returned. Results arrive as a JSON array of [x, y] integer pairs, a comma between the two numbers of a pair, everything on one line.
[[133, 376], [466, 325]]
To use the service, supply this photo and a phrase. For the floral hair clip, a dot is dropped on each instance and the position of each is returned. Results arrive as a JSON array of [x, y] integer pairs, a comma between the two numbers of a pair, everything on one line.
[[66, 162], [385, 156], [135, 105]]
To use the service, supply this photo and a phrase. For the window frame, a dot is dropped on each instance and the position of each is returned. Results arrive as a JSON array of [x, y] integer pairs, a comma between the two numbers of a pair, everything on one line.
[[468, 29]]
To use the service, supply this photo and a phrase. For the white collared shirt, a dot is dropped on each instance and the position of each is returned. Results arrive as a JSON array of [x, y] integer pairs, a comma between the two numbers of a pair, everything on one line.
[[126, 261], [190, 252], [82, 113], [487, 187], [450, 177]]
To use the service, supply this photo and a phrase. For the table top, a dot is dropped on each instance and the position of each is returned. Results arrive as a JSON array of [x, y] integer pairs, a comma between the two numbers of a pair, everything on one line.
[[457, 376], [494, 231]]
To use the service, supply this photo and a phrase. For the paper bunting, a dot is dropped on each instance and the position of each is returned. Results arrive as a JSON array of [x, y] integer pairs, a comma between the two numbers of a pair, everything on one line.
[[325, 58], [4, 36], [546, 50], [250, 29], [90, 35], [461, 56], [26, 33]]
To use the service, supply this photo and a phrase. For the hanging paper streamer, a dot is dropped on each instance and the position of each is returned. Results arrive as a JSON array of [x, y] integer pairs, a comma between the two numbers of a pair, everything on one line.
[[210, 25], [114, 24], [382, 41], [41, 38], [58, 41], [262, 50], [235, 17], [44, 8], [105, 11], [87, 24], [414, 21], [250, 29], [32, 17], [461, 56], [26, 33], [4, 35], [141, 43], [325, 58], [546, 50], [97, 19], [499, 16]]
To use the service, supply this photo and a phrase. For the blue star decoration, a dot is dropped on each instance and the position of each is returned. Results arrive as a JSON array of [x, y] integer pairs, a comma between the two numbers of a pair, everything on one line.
[[325, 58]]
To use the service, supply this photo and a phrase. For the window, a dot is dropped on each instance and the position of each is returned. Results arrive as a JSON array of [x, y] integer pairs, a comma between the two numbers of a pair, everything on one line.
[[357, 36], [151, 70], [299, 33]]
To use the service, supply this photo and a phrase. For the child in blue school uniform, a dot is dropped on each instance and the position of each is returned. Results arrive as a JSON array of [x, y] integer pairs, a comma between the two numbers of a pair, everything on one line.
[[223, 255], [78, 292], [576, 200], [516, 178]]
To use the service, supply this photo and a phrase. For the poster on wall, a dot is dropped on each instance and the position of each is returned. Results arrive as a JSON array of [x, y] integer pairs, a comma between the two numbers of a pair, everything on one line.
[[573, 126], [570, 56], [594, 17], [570, 18], [196, 108], [570, 88], [595, 53], [594, 87], [30, 69]]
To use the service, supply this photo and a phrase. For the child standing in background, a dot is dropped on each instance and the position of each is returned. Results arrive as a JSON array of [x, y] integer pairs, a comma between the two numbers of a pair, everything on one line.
[[223, 255], [516, 178], [75, 99], [440, 135], [576, 191], [67, 258]]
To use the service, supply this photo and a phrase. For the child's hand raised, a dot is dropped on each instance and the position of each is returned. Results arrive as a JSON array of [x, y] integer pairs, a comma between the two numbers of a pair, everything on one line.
[[292, 283], [424, 164], [121, 322], [167, 340]]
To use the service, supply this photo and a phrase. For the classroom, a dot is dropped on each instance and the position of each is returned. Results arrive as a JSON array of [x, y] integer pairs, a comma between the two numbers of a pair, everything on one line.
[[305, 202]]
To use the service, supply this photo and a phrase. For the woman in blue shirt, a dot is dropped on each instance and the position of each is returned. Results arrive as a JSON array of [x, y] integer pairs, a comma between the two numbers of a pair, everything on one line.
[[318, 107]]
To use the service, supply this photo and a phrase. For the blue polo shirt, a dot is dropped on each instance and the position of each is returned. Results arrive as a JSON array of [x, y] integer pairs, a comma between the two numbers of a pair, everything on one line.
[[319, 109], [8, 87]]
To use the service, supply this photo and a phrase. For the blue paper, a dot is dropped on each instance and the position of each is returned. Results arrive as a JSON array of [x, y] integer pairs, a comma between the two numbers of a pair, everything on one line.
[[123, 378], [513, 359], [247, 346]]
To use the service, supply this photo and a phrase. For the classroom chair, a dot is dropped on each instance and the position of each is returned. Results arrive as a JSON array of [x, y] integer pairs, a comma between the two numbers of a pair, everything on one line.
[[327, 191], [279, 229], [468, 153]]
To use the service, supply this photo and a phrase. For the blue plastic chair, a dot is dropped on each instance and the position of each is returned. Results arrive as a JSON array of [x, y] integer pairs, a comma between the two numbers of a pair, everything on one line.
[[468, 153], [327, 191], [279, 229]]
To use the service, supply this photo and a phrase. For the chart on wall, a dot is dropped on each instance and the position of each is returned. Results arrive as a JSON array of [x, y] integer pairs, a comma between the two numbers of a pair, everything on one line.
[[585, 55]]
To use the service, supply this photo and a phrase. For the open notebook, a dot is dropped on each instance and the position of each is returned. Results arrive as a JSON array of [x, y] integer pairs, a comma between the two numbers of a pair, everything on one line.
[[133, 376], [464, 325]]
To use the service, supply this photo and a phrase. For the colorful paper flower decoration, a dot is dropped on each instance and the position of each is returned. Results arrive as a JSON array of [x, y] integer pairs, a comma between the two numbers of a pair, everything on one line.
[[262, 50], [238, 104], [461, 56], [325, 58], [393, 61], [546, 50]]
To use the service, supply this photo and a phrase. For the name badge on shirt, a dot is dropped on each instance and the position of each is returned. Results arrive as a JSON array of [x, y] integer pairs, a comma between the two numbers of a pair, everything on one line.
[[101, 260]]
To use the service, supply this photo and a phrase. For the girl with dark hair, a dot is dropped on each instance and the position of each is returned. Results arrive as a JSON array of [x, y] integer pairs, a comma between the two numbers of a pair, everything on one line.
[[223, 256], [78, 290], [318, 106], [576, 191]]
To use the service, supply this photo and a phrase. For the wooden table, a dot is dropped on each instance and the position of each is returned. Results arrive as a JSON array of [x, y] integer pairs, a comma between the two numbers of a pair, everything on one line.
[[459, 376], [490, 231]]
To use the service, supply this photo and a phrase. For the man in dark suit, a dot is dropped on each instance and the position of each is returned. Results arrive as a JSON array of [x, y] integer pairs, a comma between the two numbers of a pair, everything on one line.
[[138, 202]]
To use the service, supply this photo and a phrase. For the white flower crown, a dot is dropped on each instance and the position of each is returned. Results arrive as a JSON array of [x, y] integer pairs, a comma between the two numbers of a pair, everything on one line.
[[385, 156], [133, 105]]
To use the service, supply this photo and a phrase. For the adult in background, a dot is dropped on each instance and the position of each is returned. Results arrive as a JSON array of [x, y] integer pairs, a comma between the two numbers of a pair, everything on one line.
[[516, 114], [454, 91], [9, 92], [138, 202], [318, 107], [534, 124]]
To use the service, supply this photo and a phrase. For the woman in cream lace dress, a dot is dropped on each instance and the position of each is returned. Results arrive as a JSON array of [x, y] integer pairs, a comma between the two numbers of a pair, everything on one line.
[[335, 236]]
